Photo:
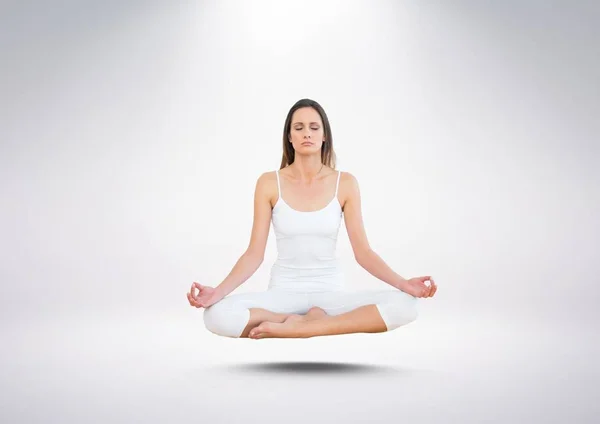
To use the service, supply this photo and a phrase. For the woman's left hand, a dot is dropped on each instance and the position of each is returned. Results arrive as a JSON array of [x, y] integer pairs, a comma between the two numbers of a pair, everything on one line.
[[416, 287]]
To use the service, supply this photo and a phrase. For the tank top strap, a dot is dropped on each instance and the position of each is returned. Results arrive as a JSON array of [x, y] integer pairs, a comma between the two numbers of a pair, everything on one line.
[[278, 184], [337, 184]]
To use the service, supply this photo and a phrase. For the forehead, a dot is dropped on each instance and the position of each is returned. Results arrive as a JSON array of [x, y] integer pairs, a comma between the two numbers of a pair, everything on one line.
[[306, 115]]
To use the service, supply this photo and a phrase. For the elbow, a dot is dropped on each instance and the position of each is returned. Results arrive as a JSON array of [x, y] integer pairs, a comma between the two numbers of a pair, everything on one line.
[[255, 257], [362, 256]]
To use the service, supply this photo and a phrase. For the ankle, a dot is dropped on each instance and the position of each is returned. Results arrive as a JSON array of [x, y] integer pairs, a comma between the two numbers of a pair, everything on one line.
[[282, 317]]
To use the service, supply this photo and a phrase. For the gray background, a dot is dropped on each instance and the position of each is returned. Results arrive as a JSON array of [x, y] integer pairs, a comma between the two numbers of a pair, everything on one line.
[[132, 134]]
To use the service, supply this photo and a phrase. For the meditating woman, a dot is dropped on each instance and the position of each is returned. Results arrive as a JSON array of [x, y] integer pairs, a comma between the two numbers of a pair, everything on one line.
[[305, 201]]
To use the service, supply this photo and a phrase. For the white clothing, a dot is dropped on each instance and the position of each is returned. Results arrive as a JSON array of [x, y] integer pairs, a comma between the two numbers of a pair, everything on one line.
[[306, 246], [307, 274]]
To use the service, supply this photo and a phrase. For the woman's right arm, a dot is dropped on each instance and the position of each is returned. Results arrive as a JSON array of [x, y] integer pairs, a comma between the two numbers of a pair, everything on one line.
[[253, 257]]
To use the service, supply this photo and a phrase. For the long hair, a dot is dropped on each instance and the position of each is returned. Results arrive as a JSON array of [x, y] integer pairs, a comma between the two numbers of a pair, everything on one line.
[[327, 153]]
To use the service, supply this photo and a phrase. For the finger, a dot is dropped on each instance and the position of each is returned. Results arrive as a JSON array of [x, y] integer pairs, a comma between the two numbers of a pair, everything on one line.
[[189, 298], [425, 278], [192, 290], [430, 287], [199, 303], [199, 286], [193, 300], [433, 290]]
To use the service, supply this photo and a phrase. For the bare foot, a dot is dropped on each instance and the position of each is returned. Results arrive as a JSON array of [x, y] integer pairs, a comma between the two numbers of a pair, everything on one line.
[[293, 318], [290, 328]]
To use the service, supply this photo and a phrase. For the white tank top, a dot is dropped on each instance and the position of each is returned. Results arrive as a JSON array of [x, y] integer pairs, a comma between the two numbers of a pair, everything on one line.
[[306, 246]]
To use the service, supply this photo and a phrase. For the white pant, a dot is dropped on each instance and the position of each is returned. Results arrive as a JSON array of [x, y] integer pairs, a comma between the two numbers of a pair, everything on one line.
[[230, 315]]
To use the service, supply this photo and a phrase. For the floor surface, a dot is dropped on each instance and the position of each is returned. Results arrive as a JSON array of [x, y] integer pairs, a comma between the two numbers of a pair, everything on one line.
[[166, 368]]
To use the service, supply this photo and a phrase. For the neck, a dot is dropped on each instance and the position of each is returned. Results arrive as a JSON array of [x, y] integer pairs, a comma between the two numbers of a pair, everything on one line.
[[307, 168]]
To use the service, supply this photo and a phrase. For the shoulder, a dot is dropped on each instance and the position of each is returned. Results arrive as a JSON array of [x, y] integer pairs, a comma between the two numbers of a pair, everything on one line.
[[348, 181], [266, 178], [348, 189], [266, 184], [346, 178]]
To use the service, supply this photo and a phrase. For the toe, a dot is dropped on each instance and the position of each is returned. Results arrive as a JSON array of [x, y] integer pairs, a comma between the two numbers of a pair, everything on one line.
[[258, 331]]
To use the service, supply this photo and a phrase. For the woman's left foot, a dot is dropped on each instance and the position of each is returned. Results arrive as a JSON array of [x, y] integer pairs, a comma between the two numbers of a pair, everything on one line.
[[286, 329], [291, 327]]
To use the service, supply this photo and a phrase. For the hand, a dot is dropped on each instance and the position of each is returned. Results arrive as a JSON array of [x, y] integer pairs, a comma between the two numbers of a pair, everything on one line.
[[416, 287], [206, 296]]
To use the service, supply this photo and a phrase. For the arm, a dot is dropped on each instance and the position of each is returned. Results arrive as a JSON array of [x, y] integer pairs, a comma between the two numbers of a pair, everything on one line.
[[364, 255], [253, 257]]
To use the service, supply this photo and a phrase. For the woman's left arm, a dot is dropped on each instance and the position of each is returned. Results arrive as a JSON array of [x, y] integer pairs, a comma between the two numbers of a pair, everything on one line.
[[364, 255]]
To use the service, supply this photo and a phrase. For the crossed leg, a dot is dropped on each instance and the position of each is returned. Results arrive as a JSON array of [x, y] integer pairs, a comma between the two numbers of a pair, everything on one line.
[[259, 315], [344, 313], [276, 313], [364, 319], [237, 314]]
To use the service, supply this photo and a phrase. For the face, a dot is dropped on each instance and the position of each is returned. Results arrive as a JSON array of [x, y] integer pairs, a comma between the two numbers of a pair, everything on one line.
[[306, 131]]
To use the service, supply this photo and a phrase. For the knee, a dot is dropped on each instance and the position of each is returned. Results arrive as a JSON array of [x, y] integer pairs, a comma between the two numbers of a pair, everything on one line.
[[223, 321], [398, 310]]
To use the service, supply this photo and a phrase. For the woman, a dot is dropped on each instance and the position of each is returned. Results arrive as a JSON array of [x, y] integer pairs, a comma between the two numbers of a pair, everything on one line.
[[305, 200]]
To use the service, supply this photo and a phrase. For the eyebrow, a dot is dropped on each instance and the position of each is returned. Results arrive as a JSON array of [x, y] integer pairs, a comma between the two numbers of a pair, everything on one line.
[[303, 123]]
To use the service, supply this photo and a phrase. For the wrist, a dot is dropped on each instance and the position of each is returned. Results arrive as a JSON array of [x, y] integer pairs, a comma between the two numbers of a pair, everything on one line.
[[399, 282], [220, 291]]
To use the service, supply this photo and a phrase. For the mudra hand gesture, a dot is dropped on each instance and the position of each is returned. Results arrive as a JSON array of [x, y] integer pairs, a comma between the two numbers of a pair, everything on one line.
[[206, 296], [416, 287]]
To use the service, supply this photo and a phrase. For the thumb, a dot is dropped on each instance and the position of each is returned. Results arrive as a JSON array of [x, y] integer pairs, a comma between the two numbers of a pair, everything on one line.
[[197, 286]]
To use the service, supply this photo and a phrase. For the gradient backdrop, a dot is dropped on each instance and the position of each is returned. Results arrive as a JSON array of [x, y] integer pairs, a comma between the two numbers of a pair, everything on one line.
[[131, 137]]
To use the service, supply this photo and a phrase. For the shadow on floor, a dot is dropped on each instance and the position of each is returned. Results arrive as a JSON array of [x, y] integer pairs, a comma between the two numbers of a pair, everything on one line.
[[314, 368]]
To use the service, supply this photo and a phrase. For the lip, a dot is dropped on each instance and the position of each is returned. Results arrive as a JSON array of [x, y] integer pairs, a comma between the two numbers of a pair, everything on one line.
[[307, 143]]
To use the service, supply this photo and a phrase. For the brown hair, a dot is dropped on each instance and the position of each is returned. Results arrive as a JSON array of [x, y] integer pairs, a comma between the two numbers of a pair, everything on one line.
[[327, 153]]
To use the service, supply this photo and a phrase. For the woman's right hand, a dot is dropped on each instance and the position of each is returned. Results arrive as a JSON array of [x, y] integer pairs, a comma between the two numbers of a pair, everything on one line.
[[206, 296], [416, 287]]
